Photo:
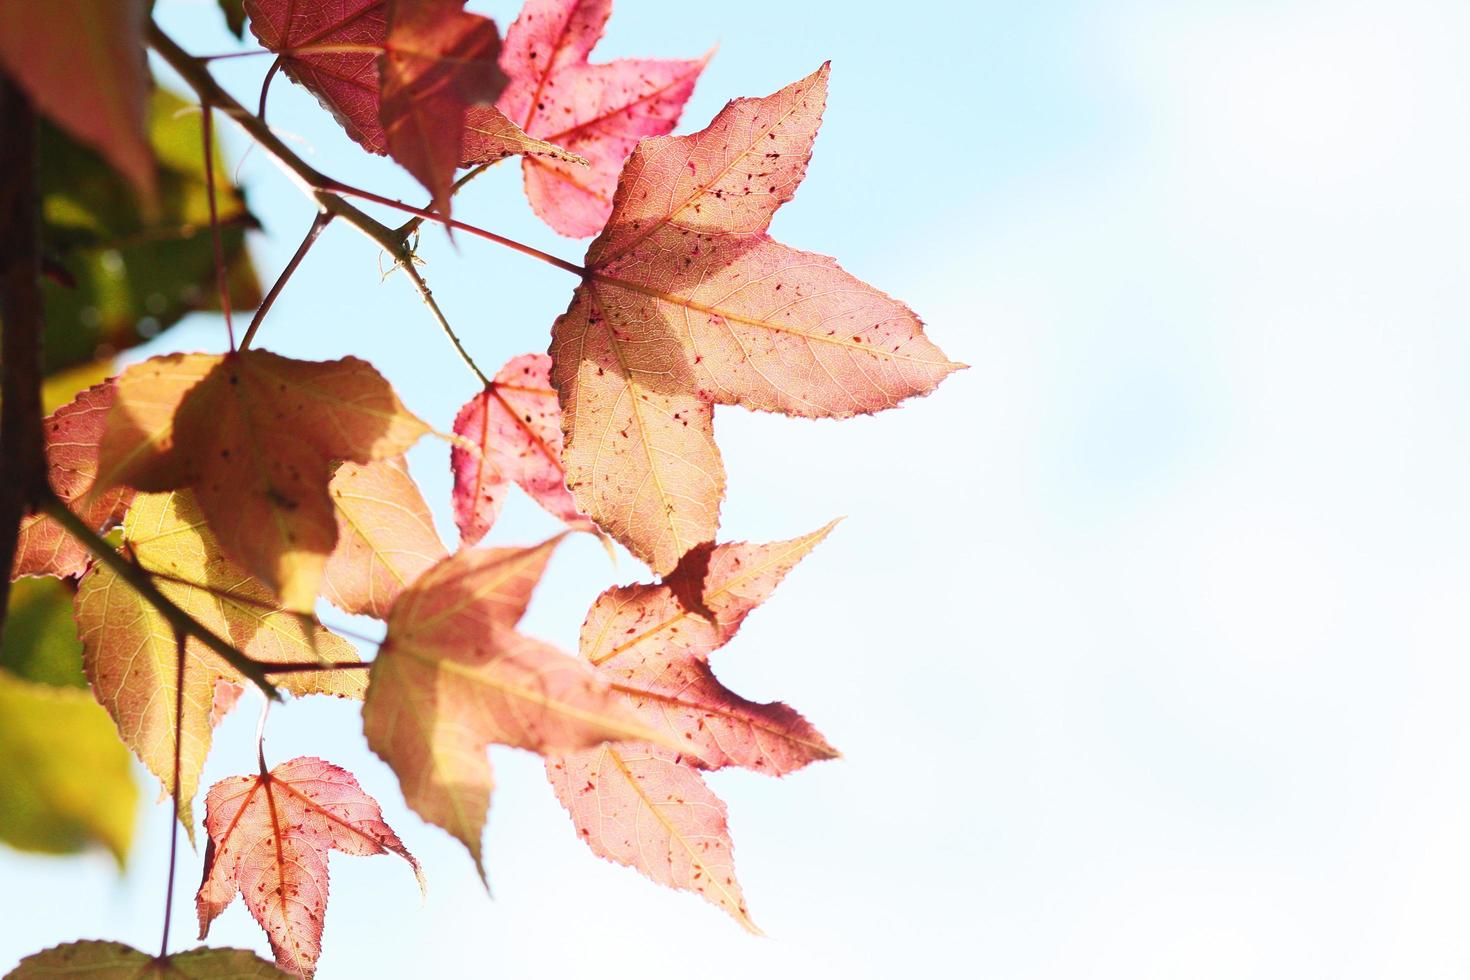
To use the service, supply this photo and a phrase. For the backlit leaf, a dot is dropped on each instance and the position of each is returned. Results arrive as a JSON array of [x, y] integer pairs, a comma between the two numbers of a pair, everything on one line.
[[516, 423], [345, 82], [334, 51], [269, 837], [254, 435], [655, 650], [438, 61], [130, 654], [454, 676], [385, 537], [72, 434], [596, 111], [39, 642], [82, 63], [640, 808], [645, 806], [687, 302]]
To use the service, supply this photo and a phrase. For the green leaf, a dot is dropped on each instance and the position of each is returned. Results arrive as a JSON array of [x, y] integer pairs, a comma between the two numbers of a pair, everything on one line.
[[39, 642], [120, 273], [66, 782], [97, 960]]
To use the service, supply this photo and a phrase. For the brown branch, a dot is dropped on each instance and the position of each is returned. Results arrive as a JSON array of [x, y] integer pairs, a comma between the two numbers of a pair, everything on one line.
[[22, 445], [141, 583], [313, 182], [326, 192]]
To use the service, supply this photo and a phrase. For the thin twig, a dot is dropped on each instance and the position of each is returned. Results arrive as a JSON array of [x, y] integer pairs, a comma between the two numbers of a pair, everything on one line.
[[313, 182], [412, 224], [327, 192], [318, 225], [138, 579], [314, 668], [427, 215], [428, 297], [173, 840], [206, 118]]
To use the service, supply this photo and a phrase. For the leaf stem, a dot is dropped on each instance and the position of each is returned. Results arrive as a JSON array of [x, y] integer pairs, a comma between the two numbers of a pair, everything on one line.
[[139, 580], [428, 297], [265, 711], [318, 225], [265, 86], [173, 840], [412, 224], [427, 215], [206, 125]]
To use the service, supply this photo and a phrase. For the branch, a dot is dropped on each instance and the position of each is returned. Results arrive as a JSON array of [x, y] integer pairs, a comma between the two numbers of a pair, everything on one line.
[[313, 182], [327, 193], [140, 581], [22, 445], [317, 185], [424, 214]]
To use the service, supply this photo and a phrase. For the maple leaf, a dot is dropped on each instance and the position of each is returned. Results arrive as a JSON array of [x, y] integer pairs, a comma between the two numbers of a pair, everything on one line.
[[131, 658], [516, 423], [438, 61], [82, 63], [645, 806], [385, 537], [654, 647], [269, 837], [454, 676], [640, 807], [334, 51], [596, 111], [686, 302], [98, 960], [72, 433], [254, 435]]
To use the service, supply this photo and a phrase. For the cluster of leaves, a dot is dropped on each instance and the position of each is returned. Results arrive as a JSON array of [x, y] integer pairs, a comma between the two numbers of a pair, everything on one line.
[[249, 486]]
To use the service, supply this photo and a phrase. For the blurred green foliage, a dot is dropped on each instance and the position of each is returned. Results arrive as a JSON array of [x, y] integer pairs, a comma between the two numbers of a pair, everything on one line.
[[66, 781], [40, 639], [120, 273]]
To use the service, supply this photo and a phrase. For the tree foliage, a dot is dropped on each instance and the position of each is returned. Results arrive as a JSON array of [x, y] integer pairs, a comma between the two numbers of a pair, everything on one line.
[[187, 516]]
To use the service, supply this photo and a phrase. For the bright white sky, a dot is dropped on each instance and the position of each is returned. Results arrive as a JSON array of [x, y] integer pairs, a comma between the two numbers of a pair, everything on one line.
[[1144, 639]]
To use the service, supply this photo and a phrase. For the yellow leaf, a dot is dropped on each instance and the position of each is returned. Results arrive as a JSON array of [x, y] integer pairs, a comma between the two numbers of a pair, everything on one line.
[[255, 435], [129, 650]]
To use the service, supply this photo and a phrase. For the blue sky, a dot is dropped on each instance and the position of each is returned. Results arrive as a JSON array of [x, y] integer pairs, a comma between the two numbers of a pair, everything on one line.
[[1144, 639]]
